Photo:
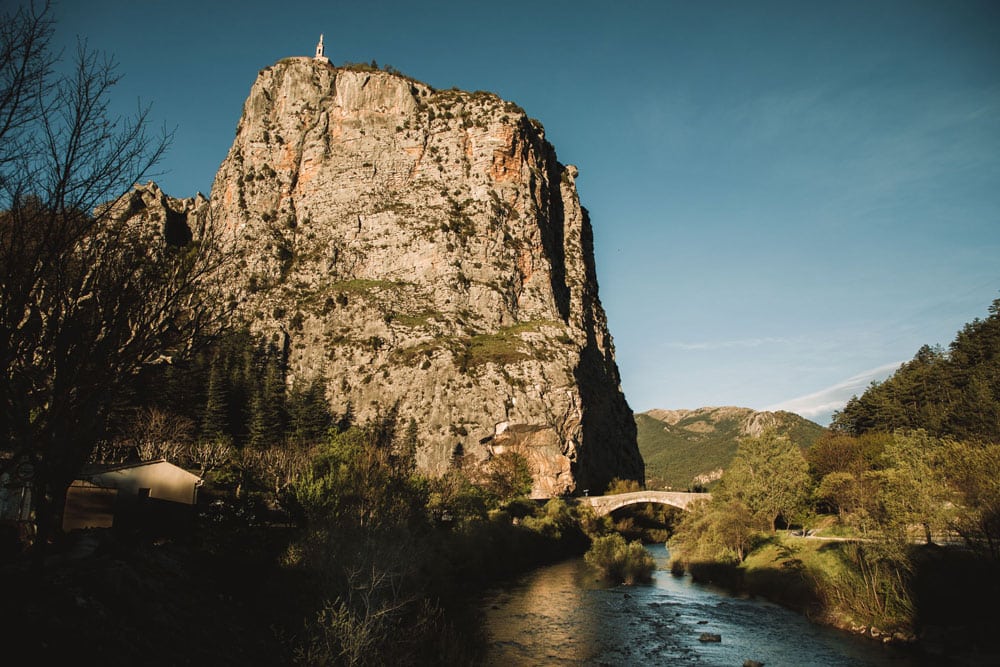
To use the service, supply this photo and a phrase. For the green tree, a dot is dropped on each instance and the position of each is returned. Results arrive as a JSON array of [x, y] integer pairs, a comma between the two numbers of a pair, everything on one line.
[[267, 406], [903, 489], [346, 420], [309, 413], [953, 393], [972, 471], [621, 561], [215, 416], [838, 452], [617, 485], [769, 475], [507, 476], [839, 464], [909, 490], [455, 498], [717, 530], [842, 491], [358, 481], [411, 441], [365, 512]]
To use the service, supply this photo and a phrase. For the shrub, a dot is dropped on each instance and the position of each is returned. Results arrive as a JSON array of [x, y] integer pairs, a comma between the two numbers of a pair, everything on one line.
[[621, 561], [715, 531], [507, 476], [555, 520], [617, 485]]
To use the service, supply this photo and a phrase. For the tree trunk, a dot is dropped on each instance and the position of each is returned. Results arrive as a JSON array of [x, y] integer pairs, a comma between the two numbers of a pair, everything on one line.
[[49, 500]]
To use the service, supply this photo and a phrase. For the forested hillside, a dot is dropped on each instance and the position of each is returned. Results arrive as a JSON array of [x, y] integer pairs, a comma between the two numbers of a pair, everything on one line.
[[690, 448], [953, 392]]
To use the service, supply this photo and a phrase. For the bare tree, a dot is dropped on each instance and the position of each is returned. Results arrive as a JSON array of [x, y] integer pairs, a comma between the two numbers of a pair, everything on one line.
[[279, 467], [211, 454], [88, 297], [156, 433], [110, 452]]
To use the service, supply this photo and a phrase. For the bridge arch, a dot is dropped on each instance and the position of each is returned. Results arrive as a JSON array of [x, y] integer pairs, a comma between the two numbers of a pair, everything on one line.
[[604, 505]]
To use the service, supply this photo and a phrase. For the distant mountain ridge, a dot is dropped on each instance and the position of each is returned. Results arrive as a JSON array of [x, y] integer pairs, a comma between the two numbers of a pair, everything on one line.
[[682, 448]]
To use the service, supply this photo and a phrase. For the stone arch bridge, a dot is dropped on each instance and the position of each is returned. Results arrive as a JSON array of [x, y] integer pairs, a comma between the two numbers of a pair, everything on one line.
[[607, 504]]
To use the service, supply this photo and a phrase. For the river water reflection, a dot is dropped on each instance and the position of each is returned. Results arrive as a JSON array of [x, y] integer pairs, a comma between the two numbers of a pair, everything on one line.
[[562, 615]]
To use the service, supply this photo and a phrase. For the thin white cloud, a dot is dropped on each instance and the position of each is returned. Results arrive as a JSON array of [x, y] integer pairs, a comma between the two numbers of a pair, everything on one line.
[[726, 344], [822, 403]]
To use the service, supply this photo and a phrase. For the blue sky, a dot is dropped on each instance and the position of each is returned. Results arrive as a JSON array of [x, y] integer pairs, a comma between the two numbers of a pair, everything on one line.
[[788, 198]]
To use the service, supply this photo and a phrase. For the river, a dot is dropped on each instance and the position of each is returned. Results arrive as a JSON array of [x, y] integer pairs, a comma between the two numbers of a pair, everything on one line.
[[563, 615]]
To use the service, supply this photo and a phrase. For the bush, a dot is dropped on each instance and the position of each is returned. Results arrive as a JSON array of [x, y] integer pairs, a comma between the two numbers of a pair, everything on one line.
[[621, 561], [715, 530], [555, 519], [617, 485]]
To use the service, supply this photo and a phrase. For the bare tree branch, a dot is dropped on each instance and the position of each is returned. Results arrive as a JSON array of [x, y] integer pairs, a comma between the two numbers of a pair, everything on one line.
[[89, 295]]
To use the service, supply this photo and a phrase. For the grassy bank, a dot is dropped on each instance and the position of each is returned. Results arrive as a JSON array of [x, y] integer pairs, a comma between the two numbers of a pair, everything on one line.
[[949, 608]]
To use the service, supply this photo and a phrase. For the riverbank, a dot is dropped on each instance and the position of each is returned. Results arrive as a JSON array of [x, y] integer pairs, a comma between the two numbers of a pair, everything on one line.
[[952, 611], [239, 592], [566, 614]]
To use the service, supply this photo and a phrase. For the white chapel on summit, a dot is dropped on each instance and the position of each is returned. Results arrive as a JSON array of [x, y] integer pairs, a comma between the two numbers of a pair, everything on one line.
[[320, 55]]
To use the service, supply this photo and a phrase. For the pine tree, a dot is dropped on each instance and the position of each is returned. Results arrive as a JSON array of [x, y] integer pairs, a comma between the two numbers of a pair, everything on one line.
[[309, 414], [346, 420], [411, 440], [954, 393], [215, 416], [267, 414]]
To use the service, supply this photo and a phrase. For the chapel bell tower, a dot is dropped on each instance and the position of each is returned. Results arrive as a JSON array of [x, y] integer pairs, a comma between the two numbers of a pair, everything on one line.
[[320, 55]]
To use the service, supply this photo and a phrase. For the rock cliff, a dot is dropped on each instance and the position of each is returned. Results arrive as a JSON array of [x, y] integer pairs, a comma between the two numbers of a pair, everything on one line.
[[425, 248]]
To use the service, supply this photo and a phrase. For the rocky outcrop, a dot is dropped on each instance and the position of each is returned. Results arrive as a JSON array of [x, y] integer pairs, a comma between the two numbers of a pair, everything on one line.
[[426, 249], [750, 423], [162, 219]]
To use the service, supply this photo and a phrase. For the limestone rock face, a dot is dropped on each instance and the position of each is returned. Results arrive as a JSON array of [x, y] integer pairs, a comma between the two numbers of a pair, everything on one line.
[[750, 423], [162, 219], [425, 248]]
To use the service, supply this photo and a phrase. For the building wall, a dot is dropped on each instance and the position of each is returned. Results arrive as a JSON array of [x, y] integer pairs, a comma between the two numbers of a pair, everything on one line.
[[165, 481], [89, 506]]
